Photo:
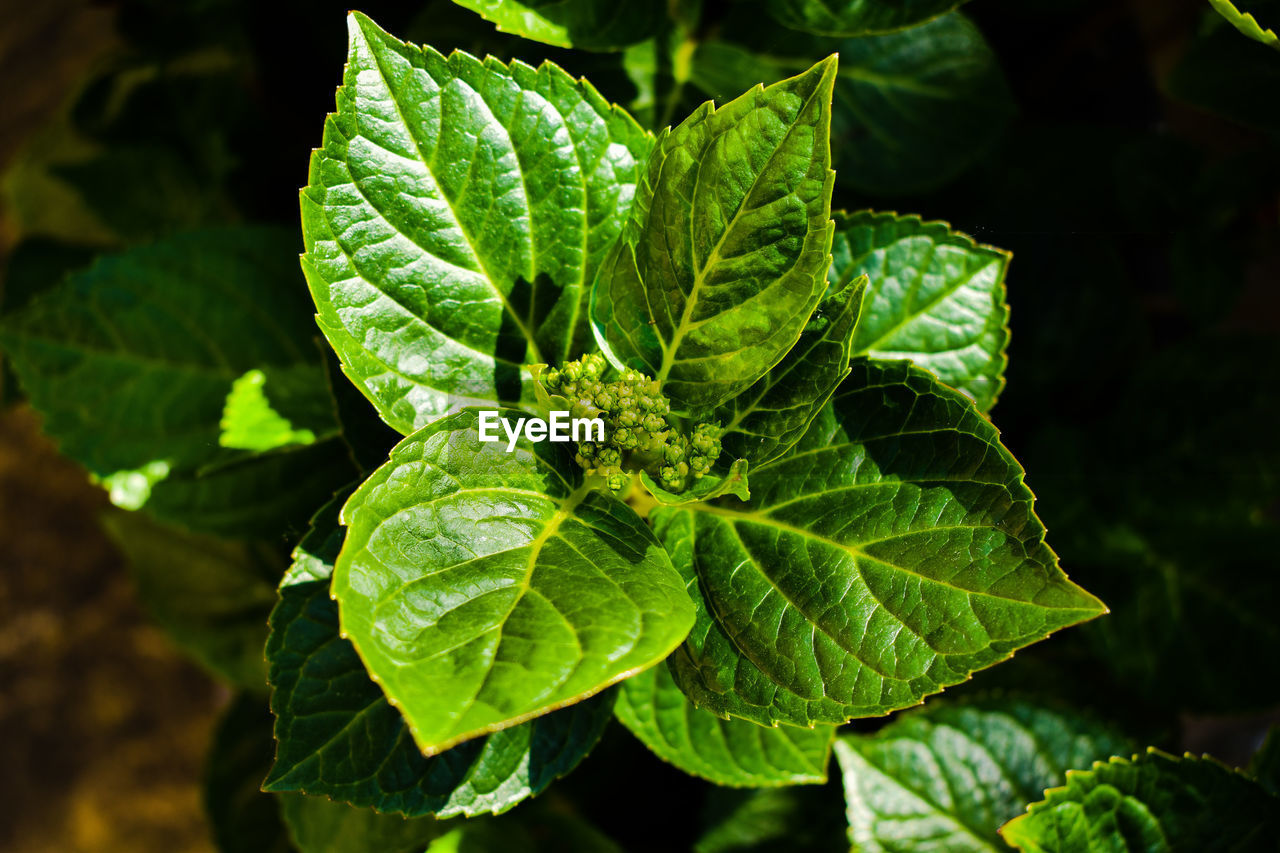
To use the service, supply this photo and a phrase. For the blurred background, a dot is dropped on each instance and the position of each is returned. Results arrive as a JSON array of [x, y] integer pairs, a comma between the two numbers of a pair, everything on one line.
[[1126, 151]]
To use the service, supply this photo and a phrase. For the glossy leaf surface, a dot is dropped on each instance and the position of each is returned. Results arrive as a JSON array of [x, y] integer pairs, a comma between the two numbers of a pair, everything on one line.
[[723, 259], [890, 554], [949, 775], [772, 415], [1153, 802], [1246, 23], [726, 752], [935, 297], [339, 737], [455, 214], [483, 588]]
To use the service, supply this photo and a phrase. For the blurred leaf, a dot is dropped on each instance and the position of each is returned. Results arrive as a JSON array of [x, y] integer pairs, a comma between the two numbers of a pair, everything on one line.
[[1245, 23], [211, 595], [774, 820], [132, 359], [1166, 509], [584, 24], [249, 422], [130, 362], [530, 830], [243, 819], [1265, 766], [934, 296], [857, 17], [947, 776], [1224, 74], [912, 110], [319, 825], [1153, 802], [723, 751]]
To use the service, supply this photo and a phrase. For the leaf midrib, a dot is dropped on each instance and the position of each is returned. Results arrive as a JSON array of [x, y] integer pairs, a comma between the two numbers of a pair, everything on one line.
[[533, 351]]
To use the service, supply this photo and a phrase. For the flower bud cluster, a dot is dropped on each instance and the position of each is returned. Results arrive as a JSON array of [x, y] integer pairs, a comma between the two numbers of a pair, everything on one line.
[[640, 431]]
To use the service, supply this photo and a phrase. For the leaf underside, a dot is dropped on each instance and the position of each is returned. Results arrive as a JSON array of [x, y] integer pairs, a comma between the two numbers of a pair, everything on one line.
[[454, 219], [889, 554]]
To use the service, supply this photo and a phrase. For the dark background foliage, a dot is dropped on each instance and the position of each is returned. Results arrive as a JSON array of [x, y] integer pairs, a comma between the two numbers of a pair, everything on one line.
[[1138, 186]]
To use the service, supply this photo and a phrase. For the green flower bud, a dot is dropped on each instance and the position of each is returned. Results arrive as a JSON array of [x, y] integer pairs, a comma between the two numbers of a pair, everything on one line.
[[654, 423], [618, 480]]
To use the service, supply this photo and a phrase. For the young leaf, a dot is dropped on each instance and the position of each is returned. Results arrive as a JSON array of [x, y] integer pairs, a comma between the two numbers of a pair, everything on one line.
[[1246, 23], [211, 595], [456, 212], [584, 24], [732, 482], [857, 17], [947, 776], [723, 258], [1153, 801], [935, 297], [131, 360], [483, 588], [338, 736], [725, 752], [913, 109], [242, 819], [768, 418], [320, 825], [774, 820], [890, 554]]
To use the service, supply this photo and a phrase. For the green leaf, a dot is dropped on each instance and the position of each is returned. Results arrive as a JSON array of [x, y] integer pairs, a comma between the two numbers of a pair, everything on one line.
[[530, 830], [319, 825], [268, 495], [734, 482], [725, 752], [912, 110], [338, 736], [1152, 802], [584, 24], [1246, 23], [131, 360], [935, 297], [722, 260], [249, 422], [483, 588], [1222, 74], [1265, 764], [211, 595], [890, 554], [456, 214], [805, 819], [241, 817], [948, 776], [857, 17], [768, 418]]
